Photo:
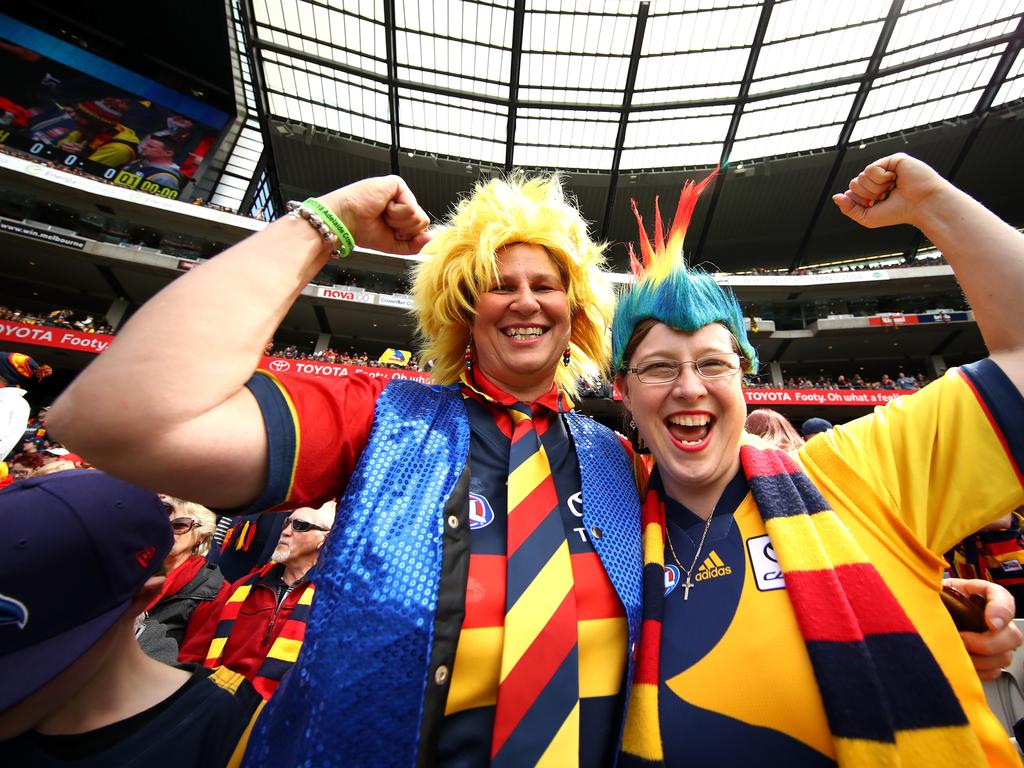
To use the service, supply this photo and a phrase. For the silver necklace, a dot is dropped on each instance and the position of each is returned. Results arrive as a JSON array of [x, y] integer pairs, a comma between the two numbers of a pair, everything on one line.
[[688, 585]]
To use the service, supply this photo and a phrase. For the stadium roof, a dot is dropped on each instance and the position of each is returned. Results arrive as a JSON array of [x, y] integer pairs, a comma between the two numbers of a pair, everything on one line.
[[628, 99]]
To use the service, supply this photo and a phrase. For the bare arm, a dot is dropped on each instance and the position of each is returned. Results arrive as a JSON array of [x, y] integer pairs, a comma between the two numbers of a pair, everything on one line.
[[165, 406], [986, 254]]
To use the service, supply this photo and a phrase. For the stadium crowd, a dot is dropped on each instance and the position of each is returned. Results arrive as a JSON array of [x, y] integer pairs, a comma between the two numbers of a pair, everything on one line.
[[158, 579]]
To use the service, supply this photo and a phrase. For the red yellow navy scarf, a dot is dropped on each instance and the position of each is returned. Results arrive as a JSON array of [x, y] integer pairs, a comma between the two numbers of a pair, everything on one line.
[[886, 699], [283, 652]]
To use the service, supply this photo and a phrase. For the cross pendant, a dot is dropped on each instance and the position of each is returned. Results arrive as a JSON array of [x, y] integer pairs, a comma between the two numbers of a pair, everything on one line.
[[686, 588]]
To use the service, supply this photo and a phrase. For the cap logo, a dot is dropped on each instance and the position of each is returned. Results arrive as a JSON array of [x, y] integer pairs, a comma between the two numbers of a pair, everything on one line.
[[13, 611], [144, 556]]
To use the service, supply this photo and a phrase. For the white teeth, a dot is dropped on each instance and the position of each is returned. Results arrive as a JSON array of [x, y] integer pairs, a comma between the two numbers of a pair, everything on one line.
[[690, 420], [523, 333]]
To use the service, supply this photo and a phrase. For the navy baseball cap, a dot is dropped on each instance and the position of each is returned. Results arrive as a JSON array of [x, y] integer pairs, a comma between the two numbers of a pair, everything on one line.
[[814, 426], [75, 547]]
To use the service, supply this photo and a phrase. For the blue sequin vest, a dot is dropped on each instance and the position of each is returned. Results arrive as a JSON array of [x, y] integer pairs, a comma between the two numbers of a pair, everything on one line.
[[355, 695]]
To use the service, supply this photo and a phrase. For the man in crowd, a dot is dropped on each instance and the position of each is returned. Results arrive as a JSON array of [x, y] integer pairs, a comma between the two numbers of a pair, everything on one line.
[[156, 161], [69, 660], [813, 426], [257, 626], [18, 370], [90, 128]]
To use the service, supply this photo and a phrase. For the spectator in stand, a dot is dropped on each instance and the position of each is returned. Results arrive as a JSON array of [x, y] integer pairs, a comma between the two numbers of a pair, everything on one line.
[[35, 430], [156, 161], [994, 553], [814, 426], [248, 544], [259, 623], [90, 128], [905, 382], [886, 382], [191, 581], [78, 560], [773, 427], [24, 465], [20, 370]]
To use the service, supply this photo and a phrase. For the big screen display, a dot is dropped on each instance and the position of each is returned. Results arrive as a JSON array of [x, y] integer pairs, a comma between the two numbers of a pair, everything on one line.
[[86, 114]]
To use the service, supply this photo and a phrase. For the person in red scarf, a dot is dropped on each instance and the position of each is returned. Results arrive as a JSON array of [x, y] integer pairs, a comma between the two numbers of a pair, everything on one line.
[[191, 582]]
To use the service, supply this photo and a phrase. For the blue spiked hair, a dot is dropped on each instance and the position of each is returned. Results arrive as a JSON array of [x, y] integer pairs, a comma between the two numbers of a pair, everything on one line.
[[668, 291]]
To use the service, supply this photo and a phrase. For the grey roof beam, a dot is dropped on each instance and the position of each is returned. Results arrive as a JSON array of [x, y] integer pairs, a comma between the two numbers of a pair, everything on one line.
[[627, 100], [734, 123], [324, 61], [260, 95], [981, 113], [518, 21], [870, 73], [390, 44], [321, 319]]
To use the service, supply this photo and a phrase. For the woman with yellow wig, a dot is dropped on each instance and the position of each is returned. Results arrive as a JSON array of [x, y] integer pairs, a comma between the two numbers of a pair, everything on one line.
[[480, 594]]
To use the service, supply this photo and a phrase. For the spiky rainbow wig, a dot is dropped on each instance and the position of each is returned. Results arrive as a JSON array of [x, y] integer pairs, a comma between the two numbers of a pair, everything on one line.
[[461, 263], [668, 291]]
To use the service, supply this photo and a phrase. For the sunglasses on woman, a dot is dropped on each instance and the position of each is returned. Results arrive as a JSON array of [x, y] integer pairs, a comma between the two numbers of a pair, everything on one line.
[[182, 525], [301, 526]]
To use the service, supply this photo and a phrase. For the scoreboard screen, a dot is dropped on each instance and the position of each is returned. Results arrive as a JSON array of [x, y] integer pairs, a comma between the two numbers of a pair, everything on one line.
[[88, 115]]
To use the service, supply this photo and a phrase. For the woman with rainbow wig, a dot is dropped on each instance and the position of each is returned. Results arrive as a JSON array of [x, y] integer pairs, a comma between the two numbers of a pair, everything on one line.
[[479, 595], [791, 612]]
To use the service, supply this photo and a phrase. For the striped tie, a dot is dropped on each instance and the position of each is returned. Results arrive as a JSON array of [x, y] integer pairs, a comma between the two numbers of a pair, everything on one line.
[[537, 717]]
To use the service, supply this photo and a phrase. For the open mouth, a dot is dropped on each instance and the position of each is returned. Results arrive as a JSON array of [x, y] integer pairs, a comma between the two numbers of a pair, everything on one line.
[[691, 431], [525, 333]]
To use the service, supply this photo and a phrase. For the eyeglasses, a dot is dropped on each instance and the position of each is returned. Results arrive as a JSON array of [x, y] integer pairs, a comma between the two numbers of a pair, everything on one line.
[[182, 525], [301, 526], [716, 366]]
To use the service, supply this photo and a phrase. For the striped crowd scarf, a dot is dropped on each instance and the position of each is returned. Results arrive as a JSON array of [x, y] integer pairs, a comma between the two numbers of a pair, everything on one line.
[[282, 653], [242, 533], [886, 699]]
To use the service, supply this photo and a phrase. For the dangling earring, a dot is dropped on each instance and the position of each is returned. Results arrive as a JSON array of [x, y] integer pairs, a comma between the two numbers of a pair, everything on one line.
[[469, 355], [565, 357], [639, 446]]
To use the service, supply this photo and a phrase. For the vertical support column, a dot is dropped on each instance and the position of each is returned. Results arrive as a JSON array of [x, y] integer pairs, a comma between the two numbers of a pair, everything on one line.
[[116, 313], [323, 341], [775, 369], [937, 366]]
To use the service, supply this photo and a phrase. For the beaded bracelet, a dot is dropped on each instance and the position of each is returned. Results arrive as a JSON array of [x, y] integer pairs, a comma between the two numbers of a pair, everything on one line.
[[323, 220]]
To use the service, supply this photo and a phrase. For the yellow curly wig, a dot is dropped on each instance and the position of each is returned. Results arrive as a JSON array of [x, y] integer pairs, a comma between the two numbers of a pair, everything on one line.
[[460, 263]]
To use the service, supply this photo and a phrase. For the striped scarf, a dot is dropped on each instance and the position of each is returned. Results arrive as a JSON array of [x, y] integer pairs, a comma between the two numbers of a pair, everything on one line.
[[283, 652], [886, 700]]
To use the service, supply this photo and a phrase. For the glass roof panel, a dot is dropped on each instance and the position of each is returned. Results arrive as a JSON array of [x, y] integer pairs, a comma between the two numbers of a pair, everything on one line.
[[576, 53], [695, 27], [671, 157], [807, 17], [540, 72], [928, 94], [784, 124], [924, 29], [803, 37], [578, 32], [1013, 88], [676, 74], [582, 139], [681, 136], [780, 144], [458, 128]]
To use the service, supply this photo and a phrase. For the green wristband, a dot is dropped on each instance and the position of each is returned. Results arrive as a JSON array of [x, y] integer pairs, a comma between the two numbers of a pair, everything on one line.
[[346, 243]]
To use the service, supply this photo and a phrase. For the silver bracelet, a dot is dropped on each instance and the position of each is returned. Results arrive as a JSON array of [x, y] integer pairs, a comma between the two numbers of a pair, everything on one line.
[[297, 210]]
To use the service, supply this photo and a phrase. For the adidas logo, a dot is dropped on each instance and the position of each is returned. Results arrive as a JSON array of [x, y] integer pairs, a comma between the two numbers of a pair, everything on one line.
[[712, 568]]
